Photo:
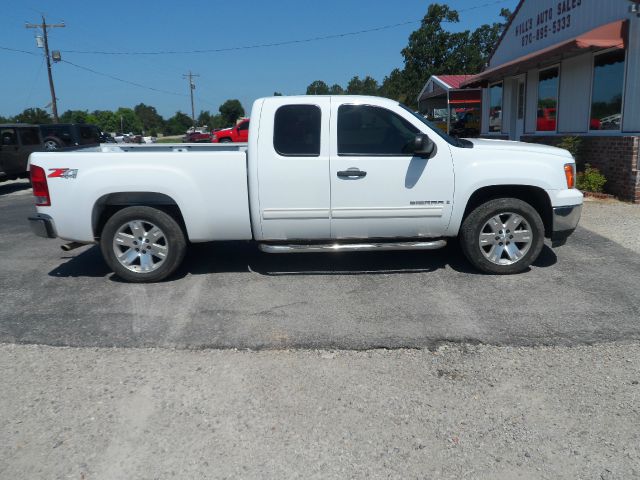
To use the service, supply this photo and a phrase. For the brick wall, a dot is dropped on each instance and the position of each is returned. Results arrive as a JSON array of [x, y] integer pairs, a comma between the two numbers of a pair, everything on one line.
[[616, 157]]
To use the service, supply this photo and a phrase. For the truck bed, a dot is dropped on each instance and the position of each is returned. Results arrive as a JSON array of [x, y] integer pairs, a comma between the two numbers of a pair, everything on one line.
[[208, 183]]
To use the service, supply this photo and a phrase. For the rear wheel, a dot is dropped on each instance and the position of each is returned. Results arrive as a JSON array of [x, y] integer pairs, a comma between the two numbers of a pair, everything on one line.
[[52, 144], [502, 236], [143, 244], [225, 140]]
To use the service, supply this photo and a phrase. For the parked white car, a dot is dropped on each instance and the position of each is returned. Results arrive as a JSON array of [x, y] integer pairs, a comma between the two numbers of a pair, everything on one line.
[[319, 174]]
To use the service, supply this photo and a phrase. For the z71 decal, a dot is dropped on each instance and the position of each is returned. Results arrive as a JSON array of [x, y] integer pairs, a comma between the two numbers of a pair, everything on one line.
[[63, 173]]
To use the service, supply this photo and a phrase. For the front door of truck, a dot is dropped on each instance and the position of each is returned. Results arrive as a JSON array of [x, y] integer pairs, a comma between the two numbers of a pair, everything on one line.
[[379, 189], [293, 170]]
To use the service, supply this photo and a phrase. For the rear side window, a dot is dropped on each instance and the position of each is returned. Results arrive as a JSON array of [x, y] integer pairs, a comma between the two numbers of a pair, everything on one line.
[[373, 131], [296, 131], [244, 126], [29, 136]]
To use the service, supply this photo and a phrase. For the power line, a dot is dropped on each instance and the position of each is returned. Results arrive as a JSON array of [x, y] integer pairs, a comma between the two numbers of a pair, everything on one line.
[[139, 85], [280, 44], [102, 74], [20, 51]]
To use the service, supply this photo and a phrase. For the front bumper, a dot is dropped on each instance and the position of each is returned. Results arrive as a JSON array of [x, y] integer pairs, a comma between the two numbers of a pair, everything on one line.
[[565, 221], [42, 225]]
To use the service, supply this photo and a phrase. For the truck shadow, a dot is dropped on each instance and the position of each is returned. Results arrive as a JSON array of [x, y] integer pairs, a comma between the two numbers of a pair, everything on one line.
[[229, 257], [6, 188]]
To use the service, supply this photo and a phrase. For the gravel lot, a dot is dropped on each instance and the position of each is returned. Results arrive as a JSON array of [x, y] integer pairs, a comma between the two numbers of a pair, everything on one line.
[[617, 221], [456, 411]]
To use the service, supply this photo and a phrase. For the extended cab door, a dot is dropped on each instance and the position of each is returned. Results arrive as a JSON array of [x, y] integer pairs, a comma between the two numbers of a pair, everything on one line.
[[378, 187], [289, 169]]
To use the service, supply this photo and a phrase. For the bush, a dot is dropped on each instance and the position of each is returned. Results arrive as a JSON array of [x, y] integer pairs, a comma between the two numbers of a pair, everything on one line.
[[572, 144], [591, 180]]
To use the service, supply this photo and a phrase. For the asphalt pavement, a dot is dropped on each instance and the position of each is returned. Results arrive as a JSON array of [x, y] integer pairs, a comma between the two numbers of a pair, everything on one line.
[[230, 295]]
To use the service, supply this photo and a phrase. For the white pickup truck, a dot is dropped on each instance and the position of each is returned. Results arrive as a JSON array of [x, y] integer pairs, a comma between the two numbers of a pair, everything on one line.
[[319, 174]]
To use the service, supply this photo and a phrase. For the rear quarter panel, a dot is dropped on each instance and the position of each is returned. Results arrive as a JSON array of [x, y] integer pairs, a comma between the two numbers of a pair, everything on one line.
[[210, 189]]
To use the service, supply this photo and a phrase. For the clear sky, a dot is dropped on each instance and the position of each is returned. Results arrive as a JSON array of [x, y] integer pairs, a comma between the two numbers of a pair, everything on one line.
[[162, 25]]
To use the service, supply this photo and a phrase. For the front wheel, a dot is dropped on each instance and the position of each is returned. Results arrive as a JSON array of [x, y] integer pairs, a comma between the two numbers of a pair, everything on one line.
[[502, 236], [142, 244]]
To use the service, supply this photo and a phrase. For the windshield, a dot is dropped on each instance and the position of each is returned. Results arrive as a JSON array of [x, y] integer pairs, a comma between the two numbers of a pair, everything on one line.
[[456, 142]]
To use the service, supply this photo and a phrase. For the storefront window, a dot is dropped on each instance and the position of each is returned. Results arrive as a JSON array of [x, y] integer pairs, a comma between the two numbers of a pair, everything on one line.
[[547, 100], [606, 100], [495, 108]]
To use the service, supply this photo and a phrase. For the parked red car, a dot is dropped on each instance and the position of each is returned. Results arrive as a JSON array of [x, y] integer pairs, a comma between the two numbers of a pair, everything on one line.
[[197, 137], [237, 134]]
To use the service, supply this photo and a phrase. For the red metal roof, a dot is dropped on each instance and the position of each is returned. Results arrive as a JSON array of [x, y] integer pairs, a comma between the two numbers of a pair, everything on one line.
[[454, 81]]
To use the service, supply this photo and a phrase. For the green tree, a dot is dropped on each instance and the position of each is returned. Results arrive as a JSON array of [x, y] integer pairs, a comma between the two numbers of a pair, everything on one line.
[[178, 124], [128, 120], [336, 89], [106, 120], [151, 120], [366, 86], [205, 118], [231, 111], [432, 50], [318, 88], [74, 116], [394, 86], [33, 115], [5, 119]]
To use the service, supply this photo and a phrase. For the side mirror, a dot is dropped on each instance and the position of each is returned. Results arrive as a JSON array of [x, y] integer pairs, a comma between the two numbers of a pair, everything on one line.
[[423, 146]]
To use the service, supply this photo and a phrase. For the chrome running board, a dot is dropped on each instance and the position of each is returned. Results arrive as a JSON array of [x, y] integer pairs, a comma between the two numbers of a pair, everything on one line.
[[351, 247]]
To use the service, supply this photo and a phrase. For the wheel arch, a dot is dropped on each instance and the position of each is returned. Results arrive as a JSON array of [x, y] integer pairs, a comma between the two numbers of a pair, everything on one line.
[[107, 205], [535, 196]]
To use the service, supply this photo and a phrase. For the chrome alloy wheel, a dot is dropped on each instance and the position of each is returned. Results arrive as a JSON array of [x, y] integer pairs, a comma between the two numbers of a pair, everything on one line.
[[140, 246], [505, 238], [50, 146]]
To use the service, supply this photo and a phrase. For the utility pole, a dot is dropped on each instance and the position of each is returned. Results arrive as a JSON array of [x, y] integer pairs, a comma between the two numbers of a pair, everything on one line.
[[192, 87], [44, 26]]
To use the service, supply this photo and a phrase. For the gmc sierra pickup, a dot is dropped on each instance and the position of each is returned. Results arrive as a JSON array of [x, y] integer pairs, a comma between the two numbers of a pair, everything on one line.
[[319, 174]]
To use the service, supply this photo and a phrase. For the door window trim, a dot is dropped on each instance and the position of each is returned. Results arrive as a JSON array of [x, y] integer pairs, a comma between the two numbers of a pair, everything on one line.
[[295, 155], [379, 155]]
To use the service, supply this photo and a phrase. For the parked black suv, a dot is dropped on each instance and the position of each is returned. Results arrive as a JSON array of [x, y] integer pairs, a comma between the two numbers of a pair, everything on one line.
[[63, 135], [17, 142]]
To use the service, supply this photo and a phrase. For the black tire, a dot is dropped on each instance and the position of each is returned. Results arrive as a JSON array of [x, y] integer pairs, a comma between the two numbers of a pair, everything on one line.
[[473, 225], [51, 144], [225, 140], [173, 238]]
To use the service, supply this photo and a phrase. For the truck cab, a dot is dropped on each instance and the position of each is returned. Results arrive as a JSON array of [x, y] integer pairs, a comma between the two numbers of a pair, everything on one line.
[[17, 142]]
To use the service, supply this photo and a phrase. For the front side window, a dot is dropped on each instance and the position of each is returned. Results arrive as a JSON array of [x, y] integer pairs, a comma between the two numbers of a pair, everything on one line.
[[495, 108], [548, 81], [296, 130], [606, 99], [369, 130]]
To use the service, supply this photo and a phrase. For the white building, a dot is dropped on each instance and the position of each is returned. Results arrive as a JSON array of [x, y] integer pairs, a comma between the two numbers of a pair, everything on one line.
[[570, 68]]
